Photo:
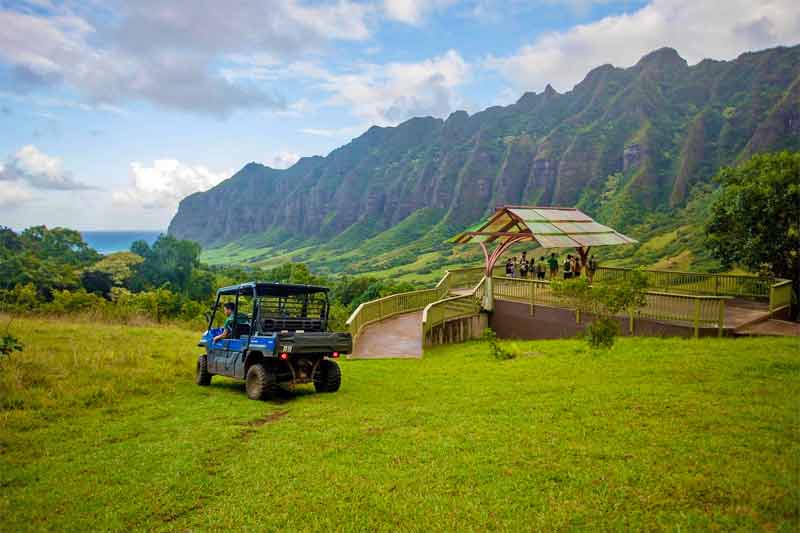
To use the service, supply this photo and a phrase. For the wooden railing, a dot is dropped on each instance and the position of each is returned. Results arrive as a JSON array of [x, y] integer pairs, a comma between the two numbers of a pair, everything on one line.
[[698, 310], [696, 282], [693, 297], [386, 307], [448, 309], [780, 296]]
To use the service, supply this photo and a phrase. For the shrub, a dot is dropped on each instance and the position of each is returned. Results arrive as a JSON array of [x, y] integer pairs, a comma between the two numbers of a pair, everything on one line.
[[495, 349], [602, 332], [604, 301]]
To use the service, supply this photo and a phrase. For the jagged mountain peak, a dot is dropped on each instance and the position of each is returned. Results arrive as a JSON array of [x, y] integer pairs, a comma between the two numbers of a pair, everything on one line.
[[663, 58], [640, 125]]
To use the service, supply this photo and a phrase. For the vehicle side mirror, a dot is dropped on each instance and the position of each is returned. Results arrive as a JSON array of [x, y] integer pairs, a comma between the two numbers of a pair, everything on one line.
[[207, 314]]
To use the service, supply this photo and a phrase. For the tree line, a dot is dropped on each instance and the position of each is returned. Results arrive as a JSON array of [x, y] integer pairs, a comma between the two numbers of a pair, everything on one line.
[[54, 271]]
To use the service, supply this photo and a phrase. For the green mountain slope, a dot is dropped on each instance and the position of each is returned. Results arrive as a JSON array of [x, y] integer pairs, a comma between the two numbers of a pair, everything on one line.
[[629, 146]]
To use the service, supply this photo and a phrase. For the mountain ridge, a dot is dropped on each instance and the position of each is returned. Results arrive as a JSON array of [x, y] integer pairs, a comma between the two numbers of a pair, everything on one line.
[[623, 142]]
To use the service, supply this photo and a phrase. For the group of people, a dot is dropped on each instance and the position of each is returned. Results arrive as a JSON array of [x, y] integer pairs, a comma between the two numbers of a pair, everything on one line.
[[570, 268]]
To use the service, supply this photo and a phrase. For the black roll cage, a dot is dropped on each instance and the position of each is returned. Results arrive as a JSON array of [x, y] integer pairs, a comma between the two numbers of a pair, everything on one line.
[[267, 289]]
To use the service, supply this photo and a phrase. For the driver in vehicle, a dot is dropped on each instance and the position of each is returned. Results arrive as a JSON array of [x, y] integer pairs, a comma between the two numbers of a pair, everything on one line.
[[230, 315]]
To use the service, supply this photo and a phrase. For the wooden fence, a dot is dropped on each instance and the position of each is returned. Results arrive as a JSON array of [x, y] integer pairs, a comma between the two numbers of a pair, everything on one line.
[[780, 296], [455, 308], [693, 297], [698, 310], [383, 308]]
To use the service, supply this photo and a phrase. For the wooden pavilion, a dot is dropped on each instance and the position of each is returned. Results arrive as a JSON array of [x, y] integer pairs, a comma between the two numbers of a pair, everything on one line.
[[550, 227]]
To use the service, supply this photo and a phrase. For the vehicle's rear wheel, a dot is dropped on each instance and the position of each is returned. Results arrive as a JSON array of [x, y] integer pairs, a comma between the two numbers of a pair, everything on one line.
[[202, 376], [260, 383], [328, 377]]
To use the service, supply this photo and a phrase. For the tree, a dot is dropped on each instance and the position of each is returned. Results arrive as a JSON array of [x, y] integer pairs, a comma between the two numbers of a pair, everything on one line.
[[755, 217], [605, 302], [169, 261], [60, 244], [97, 282], [119, 265]]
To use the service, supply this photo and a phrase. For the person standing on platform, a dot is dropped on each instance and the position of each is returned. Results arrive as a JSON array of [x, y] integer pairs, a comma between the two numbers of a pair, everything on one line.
[[553, 264]]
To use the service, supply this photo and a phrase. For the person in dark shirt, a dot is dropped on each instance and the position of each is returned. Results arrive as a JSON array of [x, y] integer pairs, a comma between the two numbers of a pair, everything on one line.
[[227, 328], [568, 267], [553, 264], [591, 268], [541, 268]]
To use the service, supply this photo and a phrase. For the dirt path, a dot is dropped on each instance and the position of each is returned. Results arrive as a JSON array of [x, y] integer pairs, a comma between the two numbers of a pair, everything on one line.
[[396, 337]]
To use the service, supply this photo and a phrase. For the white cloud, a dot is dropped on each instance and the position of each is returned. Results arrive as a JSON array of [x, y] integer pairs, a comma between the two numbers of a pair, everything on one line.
[[716, 29], [393, 92], [336, 133], [165, 183], [413, 11], [283, 159], [13, 194], [39, 170], [167, 51]]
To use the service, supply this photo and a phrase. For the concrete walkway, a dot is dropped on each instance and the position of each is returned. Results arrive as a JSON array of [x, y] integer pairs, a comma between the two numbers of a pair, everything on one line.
[[399, 337], [772, 327]]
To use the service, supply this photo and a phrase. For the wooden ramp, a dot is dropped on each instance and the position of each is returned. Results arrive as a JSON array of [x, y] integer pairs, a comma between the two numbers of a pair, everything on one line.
[[398, 337], [772, 327]]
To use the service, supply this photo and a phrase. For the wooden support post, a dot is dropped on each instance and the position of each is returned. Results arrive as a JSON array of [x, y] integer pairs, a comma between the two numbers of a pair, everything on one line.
[[630, 321], [697, 318], [721, 318], [771, 299], [530, 297]]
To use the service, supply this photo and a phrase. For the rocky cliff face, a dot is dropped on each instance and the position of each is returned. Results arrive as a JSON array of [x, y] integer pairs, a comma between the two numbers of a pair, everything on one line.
[[659, 126]]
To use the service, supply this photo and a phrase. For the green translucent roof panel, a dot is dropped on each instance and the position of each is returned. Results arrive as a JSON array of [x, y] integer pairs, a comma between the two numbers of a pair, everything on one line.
[[550, 227], [556, 241], [582, 227], [527, 214], [543, 228], [563, 215], [598, 239], [498, 224]]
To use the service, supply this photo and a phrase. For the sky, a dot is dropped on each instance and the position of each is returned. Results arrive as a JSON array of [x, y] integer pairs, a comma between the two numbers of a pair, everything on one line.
[[111, 111]]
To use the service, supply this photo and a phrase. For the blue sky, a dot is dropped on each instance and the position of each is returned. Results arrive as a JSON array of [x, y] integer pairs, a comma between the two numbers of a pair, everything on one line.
[[111, 111]]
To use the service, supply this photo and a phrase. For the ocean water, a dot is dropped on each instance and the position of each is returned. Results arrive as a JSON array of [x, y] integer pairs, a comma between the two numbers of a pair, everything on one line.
[[107, 242]]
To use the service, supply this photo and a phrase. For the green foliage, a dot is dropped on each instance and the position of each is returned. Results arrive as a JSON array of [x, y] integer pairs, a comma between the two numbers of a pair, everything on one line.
[[604, 301], [497, 351], [97, 282], [602, 332], [755, 217], [169, 261], [558, 441], [119, 265], [9, 343]]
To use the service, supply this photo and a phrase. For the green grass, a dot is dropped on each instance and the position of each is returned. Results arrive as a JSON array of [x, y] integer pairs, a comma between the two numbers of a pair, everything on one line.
[[103, 429]]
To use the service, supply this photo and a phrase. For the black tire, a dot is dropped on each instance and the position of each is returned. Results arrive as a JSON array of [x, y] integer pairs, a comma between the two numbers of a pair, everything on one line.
[[328, 377], [202, 376], [260, 383]]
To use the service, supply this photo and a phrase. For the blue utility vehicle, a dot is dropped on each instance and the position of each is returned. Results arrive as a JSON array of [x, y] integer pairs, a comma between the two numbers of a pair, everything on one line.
[[284, 340]]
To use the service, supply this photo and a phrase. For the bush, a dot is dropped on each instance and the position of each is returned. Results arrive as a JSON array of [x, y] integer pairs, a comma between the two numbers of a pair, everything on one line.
[[495, 349], [604, 301], [602, 332]]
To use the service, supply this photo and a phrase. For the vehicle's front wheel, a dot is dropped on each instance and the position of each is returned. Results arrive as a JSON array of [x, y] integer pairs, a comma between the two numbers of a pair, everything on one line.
[[202, 376], [260, 383], [328, 377]]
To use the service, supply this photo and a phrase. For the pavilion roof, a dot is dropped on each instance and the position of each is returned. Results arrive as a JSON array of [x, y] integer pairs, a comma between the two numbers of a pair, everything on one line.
[[551, 227]]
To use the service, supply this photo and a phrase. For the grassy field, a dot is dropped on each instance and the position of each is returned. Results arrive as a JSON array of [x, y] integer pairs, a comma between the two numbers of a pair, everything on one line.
[[102, 428]]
